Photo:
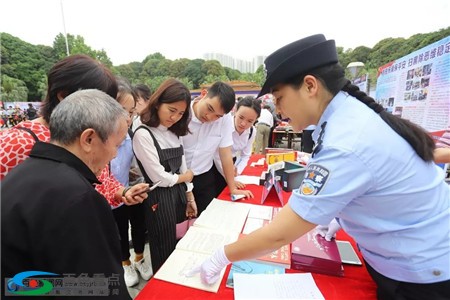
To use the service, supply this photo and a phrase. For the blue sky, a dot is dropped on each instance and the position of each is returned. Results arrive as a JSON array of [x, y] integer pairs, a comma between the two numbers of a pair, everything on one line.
[[130, 30]]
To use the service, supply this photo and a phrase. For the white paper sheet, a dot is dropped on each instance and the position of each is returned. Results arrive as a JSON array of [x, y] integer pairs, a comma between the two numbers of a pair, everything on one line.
[[245, 179], [223, 216], [179, 263], [205, 240], [275, 286], [260, 162], [252, 224], [260, 212]]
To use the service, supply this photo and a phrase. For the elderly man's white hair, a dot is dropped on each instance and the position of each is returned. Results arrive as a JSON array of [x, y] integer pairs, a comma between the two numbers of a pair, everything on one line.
[[82, 110]]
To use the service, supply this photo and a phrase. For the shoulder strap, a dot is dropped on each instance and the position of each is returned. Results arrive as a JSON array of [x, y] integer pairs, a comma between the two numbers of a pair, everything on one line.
[[141, 167], [29, 131], [158, 148], [251, 132], [130, 132]]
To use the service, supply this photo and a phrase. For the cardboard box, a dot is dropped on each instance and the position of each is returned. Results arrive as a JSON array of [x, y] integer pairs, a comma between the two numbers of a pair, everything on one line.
[[292, 176], [272, 158]]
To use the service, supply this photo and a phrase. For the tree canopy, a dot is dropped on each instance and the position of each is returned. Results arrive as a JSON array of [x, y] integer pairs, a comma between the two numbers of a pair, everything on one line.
[[24, 66]]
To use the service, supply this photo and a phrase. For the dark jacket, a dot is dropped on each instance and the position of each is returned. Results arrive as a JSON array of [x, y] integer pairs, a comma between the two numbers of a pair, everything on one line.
[[53, 220]]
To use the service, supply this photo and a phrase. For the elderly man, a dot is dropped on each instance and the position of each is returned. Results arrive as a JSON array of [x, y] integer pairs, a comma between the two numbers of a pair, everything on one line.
[[53, 220]]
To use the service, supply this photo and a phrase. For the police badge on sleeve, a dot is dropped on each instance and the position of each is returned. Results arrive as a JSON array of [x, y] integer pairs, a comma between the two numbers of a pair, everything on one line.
[[315, 178]]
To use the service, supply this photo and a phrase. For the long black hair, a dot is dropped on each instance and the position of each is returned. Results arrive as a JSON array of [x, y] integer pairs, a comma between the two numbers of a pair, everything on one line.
[[333, 78], [73, 73]]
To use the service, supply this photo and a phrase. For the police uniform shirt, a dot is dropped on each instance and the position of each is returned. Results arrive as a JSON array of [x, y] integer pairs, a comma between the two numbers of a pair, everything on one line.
[[204, 140], [145, 151], [242, 149], [395, 205]]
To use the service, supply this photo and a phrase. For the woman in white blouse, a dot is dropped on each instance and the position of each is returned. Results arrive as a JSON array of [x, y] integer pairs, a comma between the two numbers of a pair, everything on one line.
[[160, 155], [247, 112]]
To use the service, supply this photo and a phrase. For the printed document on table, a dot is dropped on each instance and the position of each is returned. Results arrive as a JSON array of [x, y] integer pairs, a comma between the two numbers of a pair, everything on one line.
[[260, 212], [205, 240], [275, 286], [181, 262], [223, 216]]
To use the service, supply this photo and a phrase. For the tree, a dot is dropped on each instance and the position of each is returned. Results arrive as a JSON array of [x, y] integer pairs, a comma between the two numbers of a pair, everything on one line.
[[213, 68], [26, 62], [178, 67], [232, 73], [209, 79], [78, 46], [154, 82], [360, 53], [42, 87], [13, 90], [150, 67], [125, 71], [156, 55], [195, 73], [385, 51], [101, 55]]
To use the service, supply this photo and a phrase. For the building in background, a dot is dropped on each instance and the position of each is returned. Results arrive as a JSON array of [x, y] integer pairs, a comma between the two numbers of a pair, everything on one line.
[[241, 65], [225, 60], [258, 61]]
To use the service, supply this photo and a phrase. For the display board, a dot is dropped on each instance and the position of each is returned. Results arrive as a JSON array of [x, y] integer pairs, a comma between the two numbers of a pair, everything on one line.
[[417, 87]]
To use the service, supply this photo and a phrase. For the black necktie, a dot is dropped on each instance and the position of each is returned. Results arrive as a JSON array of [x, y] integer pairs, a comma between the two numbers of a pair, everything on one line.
[[318, 146]]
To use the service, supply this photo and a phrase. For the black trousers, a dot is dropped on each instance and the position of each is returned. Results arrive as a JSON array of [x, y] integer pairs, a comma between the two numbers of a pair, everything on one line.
[[204, 189], [133, 214], [220, 181], [390, 289]]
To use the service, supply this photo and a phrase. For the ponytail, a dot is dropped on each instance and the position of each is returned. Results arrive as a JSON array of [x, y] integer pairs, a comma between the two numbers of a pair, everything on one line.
[[417, 137], [333, 78]]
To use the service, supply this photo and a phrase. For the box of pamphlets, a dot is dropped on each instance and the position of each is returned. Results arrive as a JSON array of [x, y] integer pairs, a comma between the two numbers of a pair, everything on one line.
[[292, 175]]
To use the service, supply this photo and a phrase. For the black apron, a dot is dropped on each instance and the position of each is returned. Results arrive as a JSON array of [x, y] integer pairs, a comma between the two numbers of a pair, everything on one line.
[[164, 206]]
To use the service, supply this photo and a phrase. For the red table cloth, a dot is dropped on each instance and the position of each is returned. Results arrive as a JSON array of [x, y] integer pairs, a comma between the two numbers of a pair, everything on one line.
[[356, 283]]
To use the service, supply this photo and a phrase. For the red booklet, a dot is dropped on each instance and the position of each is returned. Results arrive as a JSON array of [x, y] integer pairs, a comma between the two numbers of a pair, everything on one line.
[[312, 253]]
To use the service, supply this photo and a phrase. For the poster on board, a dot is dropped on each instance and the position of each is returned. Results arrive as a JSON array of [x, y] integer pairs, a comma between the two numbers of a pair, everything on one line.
[[417, 87]]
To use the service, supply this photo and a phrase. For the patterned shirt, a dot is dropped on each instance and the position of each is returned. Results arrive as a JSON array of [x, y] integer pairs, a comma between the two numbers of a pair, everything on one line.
[[15, 147]]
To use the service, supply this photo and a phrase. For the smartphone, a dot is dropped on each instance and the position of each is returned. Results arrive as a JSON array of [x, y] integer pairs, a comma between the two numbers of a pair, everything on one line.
[[151, 188], [348, 254]]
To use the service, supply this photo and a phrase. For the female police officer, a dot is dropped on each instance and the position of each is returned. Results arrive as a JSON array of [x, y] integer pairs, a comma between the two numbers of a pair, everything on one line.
[[370, 169]]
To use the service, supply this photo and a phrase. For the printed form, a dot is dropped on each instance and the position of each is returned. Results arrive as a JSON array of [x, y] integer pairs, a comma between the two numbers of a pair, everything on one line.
[[275, 286]]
